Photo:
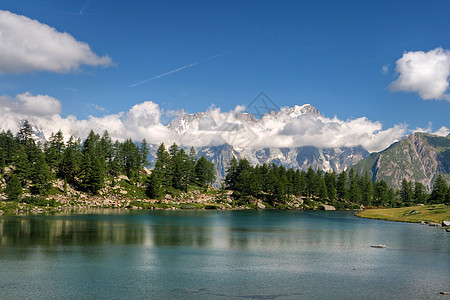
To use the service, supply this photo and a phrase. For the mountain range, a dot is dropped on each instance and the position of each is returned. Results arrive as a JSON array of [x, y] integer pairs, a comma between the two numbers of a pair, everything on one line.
[[417, 157]]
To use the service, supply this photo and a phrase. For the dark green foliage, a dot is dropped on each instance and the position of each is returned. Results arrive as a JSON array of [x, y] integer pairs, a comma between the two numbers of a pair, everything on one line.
[[420, 194], [13, 189], [439, 192], [406, 193], [204, 172], [341, 186], [41, 177]]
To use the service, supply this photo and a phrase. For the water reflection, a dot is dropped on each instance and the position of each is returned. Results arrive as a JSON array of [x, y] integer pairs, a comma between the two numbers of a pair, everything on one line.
[[218, 254]]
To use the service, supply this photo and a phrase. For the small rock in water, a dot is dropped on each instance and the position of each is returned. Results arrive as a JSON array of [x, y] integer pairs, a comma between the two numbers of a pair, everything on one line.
[[378, 246], [445, 293]]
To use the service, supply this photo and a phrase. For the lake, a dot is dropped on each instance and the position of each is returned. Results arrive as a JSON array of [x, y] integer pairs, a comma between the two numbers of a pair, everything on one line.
[[258, 254]]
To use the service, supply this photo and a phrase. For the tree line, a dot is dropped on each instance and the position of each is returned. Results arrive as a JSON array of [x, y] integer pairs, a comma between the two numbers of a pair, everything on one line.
[[84, 165], [276, 184], [175, 170]]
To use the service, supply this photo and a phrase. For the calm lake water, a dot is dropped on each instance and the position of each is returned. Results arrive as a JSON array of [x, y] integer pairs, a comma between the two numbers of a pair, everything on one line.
[[220, 255]]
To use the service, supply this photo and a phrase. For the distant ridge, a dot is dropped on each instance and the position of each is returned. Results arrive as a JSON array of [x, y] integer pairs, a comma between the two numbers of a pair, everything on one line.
[[418, 157]]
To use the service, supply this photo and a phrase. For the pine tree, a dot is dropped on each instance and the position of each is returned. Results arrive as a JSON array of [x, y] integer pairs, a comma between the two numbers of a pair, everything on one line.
[[69, 165], [54, 149], [41, 177], [205, 172], [420, 195], [341, 186], [323, 193], [13, 189], [145, 151], [439, 192], [155, 190], [231, 175], [311, 182], [161, 166], [354, 192], [330, 181], [23, 166], [406, 193]]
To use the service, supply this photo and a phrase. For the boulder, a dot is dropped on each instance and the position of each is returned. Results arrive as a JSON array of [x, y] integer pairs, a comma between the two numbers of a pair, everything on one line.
[[327, 207], [261, 206], [445, 223], [434, 224]]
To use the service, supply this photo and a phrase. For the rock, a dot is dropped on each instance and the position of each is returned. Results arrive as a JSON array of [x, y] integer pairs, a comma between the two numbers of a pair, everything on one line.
[[261, 206], [423, 223], [123, 177], [434, 224], [448, 229], [1, 212], [327, 207], [445, 293], [378, 246], [168, 197], [445, 223]]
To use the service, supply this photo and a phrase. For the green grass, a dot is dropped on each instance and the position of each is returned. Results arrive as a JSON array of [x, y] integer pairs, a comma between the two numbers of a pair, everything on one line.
[[414, 214]]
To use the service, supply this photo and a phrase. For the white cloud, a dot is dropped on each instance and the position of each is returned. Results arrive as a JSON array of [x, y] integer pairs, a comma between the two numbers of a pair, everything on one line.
[[384, 69], [443, 131], [426, 73], [27, 45], [213, 127]]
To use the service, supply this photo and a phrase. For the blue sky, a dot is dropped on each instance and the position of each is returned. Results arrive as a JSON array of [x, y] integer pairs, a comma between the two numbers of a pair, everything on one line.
[[327, 53]]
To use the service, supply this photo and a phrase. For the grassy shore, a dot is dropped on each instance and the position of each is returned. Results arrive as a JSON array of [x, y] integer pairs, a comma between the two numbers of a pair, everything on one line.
[[414, 214]]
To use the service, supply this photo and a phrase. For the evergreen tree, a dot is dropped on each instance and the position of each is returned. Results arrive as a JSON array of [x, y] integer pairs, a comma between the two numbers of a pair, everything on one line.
[[406, 193], [366, 189], [155, 189], [13, 189], [420, 195], [341, 186], [161, 166], [54, 149], [41, 177], [354, 192], [204, 171], [323, 193], [190, 166], [145, 151], [330, 181], [311, 182], [439, 192], [23, 166], [231, 175], [69, 165]]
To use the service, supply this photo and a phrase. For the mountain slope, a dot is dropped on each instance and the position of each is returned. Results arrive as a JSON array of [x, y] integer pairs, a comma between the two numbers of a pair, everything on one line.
[[418, 157]]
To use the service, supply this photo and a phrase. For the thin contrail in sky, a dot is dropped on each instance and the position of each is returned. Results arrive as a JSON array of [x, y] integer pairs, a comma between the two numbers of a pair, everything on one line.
[[174, 71]]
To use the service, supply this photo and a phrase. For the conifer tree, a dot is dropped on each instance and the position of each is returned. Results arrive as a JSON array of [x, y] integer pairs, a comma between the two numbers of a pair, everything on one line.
[[205, 172], [341, 186], [406, 193], [13, 189], [330, 181], [420, 195], [439, 192], [232, 173], [155, 189], [41, 177]]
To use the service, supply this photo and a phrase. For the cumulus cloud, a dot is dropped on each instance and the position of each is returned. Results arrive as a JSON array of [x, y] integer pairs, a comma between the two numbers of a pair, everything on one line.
[[285, 128], [27, 45], [426, 73], [443, 131]]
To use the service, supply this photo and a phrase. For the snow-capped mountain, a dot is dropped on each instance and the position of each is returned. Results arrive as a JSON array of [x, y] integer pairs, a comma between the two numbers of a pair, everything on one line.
[[328, 159]]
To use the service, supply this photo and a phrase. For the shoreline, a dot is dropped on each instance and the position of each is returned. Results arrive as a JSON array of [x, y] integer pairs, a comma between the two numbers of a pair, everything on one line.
[[432, 215]]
